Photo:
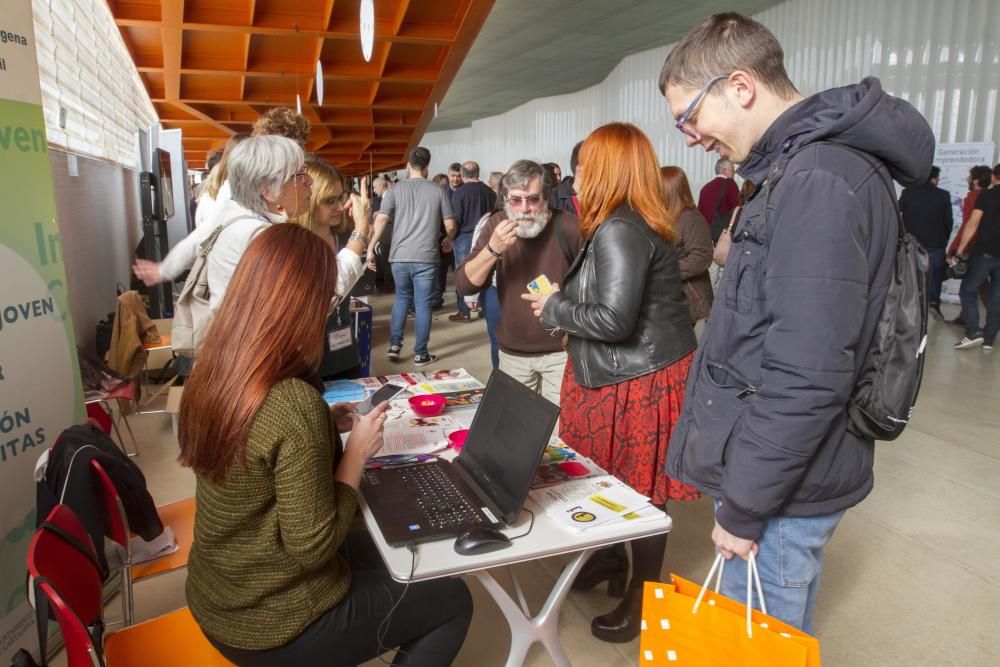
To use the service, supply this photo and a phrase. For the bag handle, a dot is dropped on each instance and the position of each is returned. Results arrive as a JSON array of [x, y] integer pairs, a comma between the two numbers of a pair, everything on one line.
[[753, 575], [718, 200], [209, 243], [732, 220]]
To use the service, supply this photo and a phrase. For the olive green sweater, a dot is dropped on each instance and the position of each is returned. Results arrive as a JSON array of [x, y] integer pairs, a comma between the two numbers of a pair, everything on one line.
[[264, 564]]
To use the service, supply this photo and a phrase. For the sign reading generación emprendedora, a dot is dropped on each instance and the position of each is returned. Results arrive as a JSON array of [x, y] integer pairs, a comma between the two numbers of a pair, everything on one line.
[[40, 391]]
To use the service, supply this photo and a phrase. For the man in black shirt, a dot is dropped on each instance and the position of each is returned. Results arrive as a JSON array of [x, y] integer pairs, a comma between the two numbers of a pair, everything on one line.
[[471, 201], [927, 215], [981, 240]]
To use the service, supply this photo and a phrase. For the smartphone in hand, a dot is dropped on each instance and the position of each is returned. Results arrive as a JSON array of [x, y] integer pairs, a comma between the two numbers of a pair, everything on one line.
[[386, 392], [540, 285]]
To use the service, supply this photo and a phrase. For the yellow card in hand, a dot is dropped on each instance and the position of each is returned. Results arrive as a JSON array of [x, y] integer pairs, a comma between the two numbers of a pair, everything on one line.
[[540, 285]]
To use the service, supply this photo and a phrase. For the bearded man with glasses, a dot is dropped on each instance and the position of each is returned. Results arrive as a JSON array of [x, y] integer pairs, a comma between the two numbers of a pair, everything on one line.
[[764, 429], [522, 241]]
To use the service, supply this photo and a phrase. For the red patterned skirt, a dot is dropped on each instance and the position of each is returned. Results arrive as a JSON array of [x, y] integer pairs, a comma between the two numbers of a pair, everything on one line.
[[625, 428]]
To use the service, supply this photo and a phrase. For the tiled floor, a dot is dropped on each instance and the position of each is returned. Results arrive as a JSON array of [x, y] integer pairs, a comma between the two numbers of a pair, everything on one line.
[[911, 576]]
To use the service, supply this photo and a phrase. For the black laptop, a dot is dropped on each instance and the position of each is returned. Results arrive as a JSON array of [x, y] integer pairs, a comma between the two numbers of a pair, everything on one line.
[[484, 486]]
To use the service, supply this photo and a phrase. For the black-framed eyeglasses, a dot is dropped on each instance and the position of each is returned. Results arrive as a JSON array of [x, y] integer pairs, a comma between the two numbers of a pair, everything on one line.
[[530, 200], [694, 103], [301, 176]]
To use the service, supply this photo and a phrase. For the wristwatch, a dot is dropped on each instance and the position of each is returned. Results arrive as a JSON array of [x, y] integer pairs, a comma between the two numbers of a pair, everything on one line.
[[359, 237]]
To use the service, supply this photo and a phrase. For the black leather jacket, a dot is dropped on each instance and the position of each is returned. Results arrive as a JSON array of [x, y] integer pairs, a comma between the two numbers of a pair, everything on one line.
[[622, 304]]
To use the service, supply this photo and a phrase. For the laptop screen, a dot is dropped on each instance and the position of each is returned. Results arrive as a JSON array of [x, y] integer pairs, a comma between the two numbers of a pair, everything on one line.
[[506, 441]]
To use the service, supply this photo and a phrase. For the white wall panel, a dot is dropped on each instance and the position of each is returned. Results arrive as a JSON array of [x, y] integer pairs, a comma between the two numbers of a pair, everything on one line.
[[86, 69], [942, 57]]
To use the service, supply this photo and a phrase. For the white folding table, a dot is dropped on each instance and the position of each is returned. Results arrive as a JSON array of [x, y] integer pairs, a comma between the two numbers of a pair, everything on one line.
[[547, 538]]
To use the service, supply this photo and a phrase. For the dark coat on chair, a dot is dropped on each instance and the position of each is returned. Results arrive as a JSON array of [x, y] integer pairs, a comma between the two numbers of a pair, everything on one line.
[[69, 479]]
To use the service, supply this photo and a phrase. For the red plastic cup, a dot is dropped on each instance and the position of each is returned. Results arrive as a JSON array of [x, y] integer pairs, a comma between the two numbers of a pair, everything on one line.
[[457, 439]]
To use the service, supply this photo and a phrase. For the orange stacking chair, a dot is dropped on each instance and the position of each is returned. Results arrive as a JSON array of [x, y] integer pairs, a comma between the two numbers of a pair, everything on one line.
[[179, 516], [63, 566]]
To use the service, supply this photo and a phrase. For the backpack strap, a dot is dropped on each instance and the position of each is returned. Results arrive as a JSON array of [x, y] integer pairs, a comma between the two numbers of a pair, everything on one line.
[[718, 200], [875, 164], [777, 171]]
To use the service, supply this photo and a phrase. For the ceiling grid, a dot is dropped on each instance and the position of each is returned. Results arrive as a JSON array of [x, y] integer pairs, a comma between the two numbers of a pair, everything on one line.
[[211, 67]]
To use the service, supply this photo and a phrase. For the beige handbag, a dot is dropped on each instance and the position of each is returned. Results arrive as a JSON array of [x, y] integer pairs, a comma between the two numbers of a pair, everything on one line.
[[192, 313], [721, 251]]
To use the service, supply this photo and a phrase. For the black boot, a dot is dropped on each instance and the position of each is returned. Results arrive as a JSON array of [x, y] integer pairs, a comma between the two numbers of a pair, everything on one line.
[[609, 564], [621, 624]]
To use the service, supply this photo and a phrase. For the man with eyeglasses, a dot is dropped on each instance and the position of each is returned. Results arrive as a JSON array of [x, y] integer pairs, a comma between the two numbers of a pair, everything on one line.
[[517, 245], [764, 428]]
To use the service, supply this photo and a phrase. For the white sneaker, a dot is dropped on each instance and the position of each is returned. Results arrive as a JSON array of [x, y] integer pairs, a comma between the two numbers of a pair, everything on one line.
[[987, 348], [969, 343]]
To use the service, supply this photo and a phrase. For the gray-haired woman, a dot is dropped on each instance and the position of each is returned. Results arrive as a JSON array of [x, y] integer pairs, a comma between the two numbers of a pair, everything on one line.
[[269, 184]]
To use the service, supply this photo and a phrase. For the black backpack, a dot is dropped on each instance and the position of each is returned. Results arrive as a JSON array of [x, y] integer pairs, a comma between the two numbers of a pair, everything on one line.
[[886, 392], [886, 389]]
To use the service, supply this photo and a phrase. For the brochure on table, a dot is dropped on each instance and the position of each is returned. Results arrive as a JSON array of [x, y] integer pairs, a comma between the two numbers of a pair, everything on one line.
[[461, 388], [582, 504], [405, 432]]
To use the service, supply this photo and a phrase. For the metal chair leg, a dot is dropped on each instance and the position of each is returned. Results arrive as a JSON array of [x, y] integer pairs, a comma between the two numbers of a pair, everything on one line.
[[135, 443], [114, 425]]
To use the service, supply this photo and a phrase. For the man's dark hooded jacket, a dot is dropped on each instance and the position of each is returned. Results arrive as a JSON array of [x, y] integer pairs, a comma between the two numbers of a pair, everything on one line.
[[764, 426]]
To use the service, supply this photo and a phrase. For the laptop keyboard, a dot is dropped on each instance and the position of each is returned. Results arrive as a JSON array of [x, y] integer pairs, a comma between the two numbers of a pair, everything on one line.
[[442, 504]]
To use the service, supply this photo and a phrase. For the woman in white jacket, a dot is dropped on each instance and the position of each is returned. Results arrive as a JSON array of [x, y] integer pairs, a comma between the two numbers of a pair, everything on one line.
[[268, 184]]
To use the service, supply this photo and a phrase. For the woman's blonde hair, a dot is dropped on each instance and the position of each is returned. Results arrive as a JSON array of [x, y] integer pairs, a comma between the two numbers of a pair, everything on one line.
[[220, 172], [325, 181]]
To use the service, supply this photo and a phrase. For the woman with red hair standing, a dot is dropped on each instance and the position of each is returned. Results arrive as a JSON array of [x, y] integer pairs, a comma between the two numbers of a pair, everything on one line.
[[631, 341]]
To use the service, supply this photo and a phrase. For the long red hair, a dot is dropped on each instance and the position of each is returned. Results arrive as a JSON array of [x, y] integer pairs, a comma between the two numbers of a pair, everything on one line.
[[676, 191], [620, 167], [268, 328]]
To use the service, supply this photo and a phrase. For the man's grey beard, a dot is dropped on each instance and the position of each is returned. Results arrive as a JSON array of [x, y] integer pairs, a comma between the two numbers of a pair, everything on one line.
[[528, 226]]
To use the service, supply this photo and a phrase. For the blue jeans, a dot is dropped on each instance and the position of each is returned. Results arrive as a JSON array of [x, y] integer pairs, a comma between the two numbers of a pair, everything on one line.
[[491, 308], [462, 248], [936, 275], [790, 559], [981, 269], [414, 284]]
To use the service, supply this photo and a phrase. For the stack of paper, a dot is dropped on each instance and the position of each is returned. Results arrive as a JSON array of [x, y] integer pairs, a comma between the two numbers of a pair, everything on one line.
[[583, 504], [564, 470], [160, 545], [419, 435]]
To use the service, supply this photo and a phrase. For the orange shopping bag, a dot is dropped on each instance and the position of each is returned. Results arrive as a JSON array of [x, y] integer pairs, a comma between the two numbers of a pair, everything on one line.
[[684, 624]]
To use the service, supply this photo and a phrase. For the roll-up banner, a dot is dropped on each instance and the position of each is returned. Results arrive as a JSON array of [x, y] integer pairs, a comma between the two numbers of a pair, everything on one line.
[[40, 392], [955, 161]]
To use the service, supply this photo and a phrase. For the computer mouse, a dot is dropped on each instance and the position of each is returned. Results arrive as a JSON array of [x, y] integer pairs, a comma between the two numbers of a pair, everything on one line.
[[480, 540]]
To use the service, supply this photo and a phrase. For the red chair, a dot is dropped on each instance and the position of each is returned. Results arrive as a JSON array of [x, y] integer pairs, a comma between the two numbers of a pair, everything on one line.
[[61, 552], [73, 581], [178, 516], [123, 392]]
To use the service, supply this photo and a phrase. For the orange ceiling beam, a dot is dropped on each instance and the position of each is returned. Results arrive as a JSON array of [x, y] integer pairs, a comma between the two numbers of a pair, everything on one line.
[[212, 66]]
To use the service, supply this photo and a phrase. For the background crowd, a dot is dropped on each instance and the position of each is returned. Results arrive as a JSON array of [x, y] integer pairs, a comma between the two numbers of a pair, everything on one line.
[[592, 286]]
